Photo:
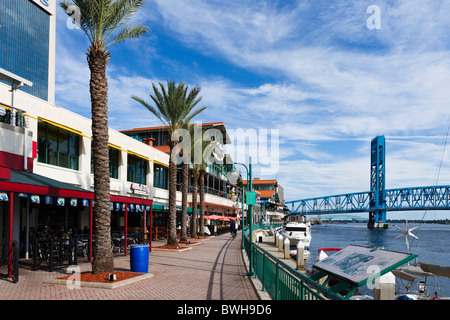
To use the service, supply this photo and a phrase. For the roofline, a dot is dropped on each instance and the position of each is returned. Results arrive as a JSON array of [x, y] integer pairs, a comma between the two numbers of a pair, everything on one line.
[[165, 127], [162, 128], [258, 181]]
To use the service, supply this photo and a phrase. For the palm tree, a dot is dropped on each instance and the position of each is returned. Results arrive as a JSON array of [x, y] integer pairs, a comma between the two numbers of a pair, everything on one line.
[[184, 190], [195, 175], [104, 22], [198, 145], [201, 183], [174, 108]]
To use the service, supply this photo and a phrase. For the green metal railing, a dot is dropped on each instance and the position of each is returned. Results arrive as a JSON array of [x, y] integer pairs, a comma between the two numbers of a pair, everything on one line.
[[280, 280]]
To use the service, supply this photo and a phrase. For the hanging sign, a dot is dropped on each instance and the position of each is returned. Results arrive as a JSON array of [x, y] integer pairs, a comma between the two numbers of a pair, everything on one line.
[[48, 200], [60, 201], [73, 202], [3, 197], [35, 199], [250, 198]]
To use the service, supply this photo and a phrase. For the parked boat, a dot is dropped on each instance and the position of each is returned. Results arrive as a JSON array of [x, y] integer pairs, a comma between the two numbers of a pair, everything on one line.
[[414, 279], [297, 229], [415, 283]]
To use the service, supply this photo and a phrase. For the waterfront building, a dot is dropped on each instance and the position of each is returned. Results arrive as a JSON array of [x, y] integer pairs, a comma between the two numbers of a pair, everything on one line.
[[220, 195], [45, 150], [46, 178], [270, 199]]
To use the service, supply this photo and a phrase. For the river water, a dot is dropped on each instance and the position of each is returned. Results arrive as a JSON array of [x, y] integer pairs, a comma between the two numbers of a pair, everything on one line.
[[433, 245]]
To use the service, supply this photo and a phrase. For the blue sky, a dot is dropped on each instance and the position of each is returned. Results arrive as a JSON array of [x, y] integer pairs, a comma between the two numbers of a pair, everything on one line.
[[312, 70]]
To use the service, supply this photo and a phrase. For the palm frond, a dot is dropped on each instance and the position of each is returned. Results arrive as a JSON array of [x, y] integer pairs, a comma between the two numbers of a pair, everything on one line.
[[173, 105], [128, 33], [102, 19], [149, 108], [120, 13], [195, 113]]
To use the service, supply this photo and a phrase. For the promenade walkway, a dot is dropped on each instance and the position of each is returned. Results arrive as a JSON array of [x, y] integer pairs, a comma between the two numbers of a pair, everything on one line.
[[213, 270]]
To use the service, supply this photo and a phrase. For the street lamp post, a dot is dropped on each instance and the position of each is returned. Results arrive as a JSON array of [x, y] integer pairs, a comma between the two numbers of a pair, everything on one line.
[[232, 177]]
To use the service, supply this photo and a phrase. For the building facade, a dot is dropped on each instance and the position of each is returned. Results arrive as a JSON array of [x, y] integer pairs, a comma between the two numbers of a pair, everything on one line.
[[220, 194], [270, 199], [46, 178]]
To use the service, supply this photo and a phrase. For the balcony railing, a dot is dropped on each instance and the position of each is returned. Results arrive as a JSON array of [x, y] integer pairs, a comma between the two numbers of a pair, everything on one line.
[[5, 116]]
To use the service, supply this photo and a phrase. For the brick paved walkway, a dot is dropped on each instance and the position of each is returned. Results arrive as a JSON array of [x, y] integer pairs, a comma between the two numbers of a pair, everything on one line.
[[213, 270]]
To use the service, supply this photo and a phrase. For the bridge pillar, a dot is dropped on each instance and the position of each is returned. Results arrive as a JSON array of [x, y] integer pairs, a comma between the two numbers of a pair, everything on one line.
[[377, 217], [377, 220]]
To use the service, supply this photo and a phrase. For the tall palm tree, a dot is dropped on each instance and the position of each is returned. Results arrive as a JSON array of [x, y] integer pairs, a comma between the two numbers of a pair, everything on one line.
[[198, 145], [104, 22], [202, 173], [184, 189], [195, 175], [174, 107]]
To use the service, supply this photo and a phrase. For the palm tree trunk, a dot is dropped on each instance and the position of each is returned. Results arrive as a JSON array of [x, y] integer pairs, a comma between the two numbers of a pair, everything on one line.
[[202, 200], [172, 223], [184, 194], [103, 260], [194, 203]]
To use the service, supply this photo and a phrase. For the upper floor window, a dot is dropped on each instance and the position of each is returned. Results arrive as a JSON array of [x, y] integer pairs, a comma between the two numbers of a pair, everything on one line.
[[114, 162], [57, 146], [160, 177], [137, 169]]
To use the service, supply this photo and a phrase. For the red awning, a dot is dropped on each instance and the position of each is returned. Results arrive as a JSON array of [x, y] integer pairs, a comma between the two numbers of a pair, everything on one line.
[[32, 183]]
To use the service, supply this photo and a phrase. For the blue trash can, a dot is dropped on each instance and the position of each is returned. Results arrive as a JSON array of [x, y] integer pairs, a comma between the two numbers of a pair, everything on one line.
[[139, 258]]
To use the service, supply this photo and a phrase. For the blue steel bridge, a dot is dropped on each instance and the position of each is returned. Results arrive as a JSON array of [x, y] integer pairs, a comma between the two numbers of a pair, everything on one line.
[[378, 200]]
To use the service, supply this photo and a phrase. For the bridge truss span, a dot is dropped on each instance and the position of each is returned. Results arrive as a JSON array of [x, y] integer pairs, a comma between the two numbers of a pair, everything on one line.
[[378, 200], [402, 199], [343, 203], [418, 198]]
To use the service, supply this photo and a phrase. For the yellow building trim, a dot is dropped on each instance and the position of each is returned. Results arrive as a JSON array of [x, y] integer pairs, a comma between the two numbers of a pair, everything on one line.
[[160, 163], [63, 127], [146, 158], [115, 147], [9, 108], [138, 155]]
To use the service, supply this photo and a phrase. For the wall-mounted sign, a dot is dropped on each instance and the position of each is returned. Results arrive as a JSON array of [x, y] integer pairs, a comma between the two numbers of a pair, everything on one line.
[[139, 189], [47, 5]]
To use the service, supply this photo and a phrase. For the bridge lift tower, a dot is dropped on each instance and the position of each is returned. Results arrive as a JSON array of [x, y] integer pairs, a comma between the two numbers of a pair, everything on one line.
[[377, 213]]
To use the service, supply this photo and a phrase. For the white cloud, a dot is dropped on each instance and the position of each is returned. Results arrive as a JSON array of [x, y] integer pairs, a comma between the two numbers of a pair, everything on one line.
[[336, 81]]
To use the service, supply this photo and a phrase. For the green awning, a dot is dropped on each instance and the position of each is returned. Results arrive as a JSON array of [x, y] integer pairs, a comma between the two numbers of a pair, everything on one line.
[[164, 207], [159, 206]]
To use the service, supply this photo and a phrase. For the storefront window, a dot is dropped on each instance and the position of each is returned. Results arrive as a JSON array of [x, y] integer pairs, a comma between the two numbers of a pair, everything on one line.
[[57, 146]]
